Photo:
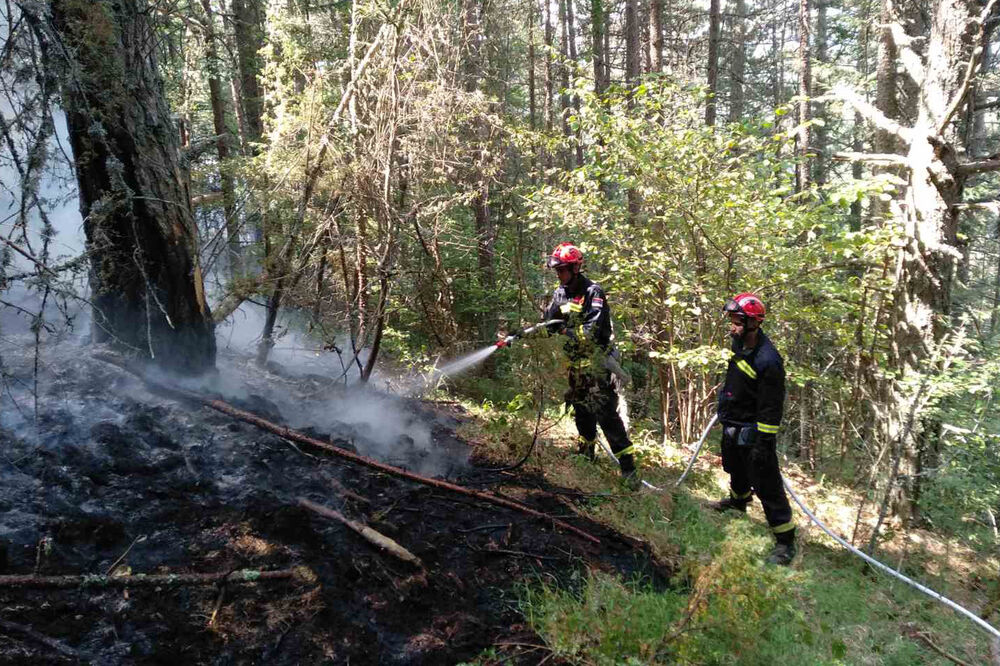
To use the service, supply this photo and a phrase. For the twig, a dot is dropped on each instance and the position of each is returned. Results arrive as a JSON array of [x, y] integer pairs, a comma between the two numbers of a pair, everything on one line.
[[150, 580], [288, 433], [911, 631], [124, 555], [218, 605], [520, 553], [373, 537], [343, 490], [482, 528], [58, 646]]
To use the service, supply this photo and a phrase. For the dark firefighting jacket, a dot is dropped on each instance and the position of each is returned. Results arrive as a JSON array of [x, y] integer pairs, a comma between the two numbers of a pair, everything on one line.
[[753, 394], [587, 317]]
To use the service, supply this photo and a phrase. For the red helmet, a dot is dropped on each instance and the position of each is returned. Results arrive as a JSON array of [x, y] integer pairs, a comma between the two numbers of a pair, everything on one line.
[[747, 305], [565, 254]]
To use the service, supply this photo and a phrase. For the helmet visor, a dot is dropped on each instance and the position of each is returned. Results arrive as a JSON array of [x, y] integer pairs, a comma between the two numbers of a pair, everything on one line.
[[732, 307]]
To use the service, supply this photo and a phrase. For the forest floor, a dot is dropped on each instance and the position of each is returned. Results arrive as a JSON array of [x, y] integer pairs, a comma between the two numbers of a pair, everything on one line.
[[101, 474], [724, 605]]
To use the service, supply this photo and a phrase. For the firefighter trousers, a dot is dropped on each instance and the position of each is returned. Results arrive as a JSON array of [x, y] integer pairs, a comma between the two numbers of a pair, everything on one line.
[[753, 470], [595, 401]]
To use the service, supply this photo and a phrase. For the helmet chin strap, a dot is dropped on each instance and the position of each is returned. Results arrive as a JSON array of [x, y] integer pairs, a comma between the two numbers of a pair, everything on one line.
[[746, 329]]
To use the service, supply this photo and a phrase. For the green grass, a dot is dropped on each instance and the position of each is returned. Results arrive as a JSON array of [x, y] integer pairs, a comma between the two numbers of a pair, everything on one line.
[[724, 606]]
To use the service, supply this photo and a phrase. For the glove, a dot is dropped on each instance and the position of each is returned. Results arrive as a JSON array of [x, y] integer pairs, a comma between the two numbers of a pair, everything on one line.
[[747, 437]]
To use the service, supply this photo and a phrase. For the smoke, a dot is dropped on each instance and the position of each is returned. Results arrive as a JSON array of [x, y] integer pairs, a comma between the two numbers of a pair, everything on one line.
[[294, 351], [57, 195]]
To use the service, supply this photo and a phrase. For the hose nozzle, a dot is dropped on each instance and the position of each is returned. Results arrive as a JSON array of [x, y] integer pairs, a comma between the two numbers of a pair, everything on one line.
[[505, 342]]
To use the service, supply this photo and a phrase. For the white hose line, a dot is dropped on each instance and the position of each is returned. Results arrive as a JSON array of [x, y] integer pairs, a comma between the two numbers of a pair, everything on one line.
[[875, 563], [926, 590], [694, 456]]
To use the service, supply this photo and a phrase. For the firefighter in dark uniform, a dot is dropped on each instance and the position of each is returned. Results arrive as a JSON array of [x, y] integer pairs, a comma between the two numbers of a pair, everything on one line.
[[750, 407], [580, 305]]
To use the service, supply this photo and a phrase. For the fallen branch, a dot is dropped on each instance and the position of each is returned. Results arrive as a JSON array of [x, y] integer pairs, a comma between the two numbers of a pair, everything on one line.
[[64, 650], [373, 537], [152, 580], [913, 632], [288, 433]]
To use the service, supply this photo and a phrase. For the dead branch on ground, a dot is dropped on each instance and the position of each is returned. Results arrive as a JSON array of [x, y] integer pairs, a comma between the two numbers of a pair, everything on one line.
[[912, 631], [152, 580], [288, 433], [373, 537]]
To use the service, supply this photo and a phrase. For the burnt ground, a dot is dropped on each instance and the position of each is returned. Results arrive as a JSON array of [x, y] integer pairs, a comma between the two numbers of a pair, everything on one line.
[[111, 473]]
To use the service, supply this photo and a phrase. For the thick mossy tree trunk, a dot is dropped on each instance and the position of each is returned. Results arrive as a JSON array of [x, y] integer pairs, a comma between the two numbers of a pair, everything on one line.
[[148, 293]]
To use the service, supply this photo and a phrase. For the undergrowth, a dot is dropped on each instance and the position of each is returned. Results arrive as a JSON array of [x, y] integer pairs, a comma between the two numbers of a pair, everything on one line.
[[723, 605]]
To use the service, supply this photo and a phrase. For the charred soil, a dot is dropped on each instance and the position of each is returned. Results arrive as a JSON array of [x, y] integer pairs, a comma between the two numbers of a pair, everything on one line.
[[110, 477]]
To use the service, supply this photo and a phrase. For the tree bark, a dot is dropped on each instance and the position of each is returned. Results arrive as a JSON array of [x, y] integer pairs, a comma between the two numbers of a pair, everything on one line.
[[248, 25], [821, 145], [656, 35], [923, 299], [564, 99], [714, 21], [532, 101], [145, 277], [737, 96], [223, 137], [573, 55], [633, 69], [597, 30], [804, 165]]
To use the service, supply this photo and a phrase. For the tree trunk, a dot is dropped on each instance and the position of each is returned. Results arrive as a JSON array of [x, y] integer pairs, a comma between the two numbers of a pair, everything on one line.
[[145, 277], [995, 312], [549, 83], [737, 97], [223, 137], [923, 299], [532, 102], [571, 30], [484, 224], [633, 69], [656, 35], [803, 167], [886, 97], [821, 145], [248, 25], [598, 29], [714, 21], [564, 100]]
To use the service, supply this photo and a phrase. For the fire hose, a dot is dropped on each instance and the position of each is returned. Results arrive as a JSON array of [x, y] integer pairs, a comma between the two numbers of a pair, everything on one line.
[[867, 558]]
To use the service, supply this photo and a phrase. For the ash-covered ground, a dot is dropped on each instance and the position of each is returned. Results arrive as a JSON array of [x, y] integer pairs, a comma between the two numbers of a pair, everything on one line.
[[104, 473]]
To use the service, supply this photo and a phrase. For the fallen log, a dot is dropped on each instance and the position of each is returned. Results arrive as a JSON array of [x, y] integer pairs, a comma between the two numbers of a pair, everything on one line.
[[372, 536], [288, 433], [153, 580]]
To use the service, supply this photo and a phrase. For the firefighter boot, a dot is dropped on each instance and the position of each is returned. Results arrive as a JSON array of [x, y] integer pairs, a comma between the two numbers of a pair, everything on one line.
[[784, 549], [585, 447], [631, 480], [732, 503]]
